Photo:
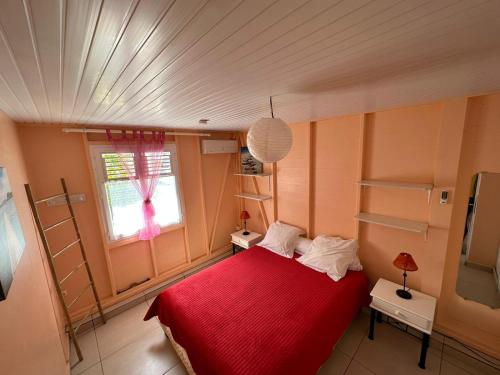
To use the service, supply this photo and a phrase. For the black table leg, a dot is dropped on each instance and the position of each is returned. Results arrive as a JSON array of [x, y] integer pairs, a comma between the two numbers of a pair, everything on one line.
[[234, 249], [372, 323], [423, 351]]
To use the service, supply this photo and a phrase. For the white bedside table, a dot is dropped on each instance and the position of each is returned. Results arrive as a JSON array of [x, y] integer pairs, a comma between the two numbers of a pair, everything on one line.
[[245, 241], [417, 312]]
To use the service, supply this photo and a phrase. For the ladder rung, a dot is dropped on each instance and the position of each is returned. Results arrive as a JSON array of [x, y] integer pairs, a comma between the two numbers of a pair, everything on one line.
[[81, 294], [72, 272], [65, 248], [50, 198], [85, 317], [57, 224]]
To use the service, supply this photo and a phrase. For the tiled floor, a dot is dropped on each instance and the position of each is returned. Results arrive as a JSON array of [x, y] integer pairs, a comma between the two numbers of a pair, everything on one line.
[[477, 284], [128, 345]]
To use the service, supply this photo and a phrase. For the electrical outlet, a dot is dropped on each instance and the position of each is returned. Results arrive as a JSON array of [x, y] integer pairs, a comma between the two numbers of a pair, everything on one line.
[[443, 198]]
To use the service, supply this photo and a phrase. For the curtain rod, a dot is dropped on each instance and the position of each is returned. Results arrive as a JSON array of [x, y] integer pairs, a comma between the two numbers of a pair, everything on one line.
[[80, 130]]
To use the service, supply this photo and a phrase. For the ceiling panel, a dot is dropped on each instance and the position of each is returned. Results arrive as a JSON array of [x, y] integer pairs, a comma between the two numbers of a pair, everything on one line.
[[171, 62]]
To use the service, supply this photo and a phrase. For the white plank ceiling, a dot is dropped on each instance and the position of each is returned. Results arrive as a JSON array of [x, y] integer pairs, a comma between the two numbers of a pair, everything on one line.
[[172, 62]]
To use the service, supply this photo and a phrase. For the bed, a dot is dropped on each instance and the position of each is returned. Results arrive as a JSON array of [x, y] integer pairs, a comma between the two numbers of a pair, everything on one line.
[[258, 313]]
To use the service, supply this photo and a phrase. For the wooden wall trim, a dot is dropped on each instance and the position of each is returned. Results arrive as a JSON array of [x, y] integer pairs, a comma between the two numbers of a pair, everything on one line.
[[311, 176], [100, 217], [152, 251], [219, 202], [261, 204], [359, 174], [187, 248], [202, 193], [275, 190]]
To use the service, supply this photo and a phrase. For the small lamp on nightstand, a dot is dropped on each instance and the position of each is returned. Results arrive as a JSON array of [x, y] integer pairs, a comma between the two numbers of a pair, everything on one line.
[[405, 262], [245, 216]]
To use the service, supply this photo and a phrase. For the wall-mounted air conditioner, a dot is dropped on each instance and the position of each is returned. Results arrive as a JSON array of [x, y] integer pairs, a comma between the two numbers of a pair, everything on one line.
[[219, 146]]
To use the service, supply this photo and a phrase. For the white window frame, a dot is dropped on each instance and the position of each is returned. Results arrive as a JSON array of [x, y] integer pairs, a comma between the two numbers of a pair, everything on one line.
[[99, 169]]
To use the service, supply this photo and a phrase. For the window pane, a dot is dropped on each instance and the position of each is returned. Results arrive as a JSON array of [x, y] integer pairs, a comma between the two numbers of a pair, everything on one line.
[[114, 165], [166, 202], [158, 161], [125, 208]]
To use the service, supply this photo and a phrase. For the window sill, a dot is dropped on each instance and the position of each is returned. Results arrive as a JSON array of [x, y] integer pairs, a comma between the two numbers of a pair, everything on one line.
[[133, 239]]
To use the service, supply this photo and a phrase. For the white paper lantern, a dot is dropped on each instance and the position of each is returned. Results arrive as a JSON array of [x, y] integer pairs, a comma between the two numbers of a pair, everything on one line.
[[269, 140]]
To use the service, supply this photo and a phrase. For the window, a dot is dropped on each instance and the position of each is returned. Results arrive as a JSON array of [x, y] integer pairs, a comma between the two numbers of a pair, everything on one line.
[[121, 202]]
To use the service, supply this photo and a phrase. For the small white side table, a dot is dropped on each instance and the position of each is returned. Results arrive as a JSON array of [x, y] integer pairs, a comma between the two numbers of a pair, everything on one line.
[[417, 312], [245, 241]]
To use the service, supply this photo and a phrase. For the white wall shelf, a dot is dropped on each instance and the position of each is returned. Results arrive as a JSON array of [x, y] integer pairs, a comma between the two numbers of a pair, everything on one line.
[[254, 197], [253, 175], [394, 222], [399, 185]]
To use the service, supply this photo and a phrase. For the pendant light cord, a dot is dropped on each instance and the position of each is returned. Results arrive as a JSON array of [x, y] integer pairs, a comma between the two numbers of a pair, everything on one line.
[[271, 103]]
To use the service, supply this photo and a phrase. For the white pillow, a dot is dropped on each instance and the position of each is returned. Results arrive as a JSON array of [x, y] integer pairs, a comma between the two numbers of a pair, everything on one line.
[[355, 264], [331, 255], [303, 245], [281, 238]]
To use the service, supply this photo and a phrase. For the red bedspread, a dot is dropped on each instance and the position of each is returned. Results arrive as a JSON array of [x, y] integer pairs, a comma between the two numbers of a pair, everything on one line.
[[259, 313]]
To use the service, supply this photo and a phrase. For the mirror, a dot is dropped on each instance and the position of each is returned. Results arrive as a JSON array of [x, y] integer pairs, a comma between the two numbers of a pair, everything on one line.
[[479, 270]]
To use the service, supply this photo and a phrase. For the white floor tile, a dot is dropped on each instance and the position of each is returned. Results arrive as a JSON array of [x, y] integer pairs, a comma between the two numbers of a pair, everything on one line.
[[177, 370], [88, 346], [124, 329], [461, 348], [150, 301], [355, 368], [336, 364], [450, 369], [354, 334], [94, 370], [467, 363], [395, 352], [150, 355]]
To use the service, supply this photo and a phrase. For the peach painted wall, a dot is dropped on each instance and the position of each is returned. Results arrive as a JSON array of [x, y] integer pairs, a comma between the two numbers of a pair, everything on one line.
[[51, 154], [29, 322], [400, 145], [336, 162], [293, 175], [316, 189], [469, 320]]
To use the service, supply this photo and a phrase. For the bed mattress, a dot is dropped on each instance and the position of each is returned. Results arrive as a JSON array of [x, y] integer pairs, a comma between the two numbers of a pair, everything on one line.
[[259, 313]]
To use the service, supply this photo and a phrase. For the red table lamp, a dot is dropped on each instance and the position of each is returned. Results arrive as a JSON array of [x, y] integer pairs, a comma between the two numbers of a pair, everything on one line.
[[405, 262], [245, 216]]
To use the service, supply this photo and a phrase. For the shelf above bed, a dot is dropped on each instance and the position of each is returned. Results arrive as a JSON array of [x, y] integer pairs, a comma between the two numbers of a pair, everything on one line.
[[397, 185], [253, 175], [254, 197], [394, 222]]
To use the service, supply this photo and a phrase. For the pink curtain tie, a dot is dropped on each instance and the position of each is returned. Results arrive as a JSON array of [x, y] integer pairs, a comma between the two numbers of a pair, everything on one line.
[[148, 209]]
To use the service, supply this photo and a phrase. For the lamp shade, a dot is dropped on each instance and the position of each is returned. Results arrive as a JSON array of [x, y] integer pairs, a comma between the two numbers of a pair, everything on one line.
[[244, 215], [404, 261], [269, 140]]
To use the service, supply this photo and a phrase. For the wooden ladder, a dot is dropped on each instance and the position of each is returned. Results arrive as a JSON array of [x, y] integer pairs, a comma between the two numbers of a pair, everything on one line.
[[51, 257]]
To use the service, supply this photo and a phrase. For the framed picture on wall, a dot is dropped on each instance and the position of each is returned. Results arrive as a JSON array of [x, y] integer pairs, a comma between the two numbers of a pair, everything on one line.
[[12, 241], [249, 165]]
